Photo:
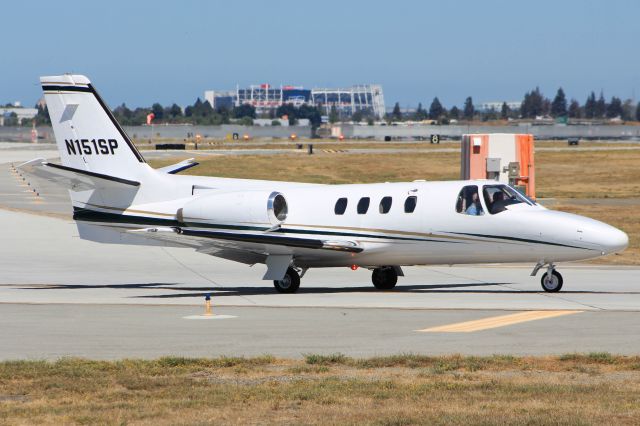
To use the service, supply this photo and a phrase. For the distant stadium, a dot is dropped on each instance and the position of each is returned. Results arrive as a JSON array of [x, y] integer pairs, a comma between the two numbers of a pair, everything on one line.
[[367, 99]]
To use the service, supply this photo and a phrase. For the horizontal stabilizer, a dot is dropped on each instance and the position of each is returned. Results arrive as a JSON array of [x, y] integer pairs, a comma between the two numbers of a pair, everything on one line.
[[178, 167], [74, 179]]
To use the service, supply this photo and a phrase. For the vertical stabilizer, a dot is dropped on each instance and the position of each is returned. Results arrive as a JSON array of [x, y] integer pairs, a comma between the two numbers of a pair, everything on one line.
[[87, 135]]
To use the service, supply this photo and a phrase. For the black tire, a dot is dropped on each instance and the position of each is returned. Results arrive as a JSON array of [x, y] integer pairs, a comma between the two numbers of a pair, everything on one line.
[[290, 283], [384, 278], [554, 284]]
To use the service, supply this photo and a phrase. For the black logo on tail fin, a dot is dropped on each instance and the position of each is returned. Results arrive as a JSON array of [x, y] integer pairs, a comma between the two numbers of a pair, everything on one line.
[[91, 146]]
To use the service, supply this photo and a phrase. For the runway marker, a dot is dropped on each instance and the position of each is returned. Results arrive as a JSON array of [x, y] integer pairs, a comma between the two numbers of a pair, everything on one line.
[[208, 312], [207, 305], [495, 322]]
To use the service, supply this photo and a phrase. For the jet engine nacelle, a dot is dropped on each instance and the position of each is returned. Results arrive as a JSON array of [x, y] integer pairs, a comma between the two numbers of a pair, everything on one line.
[[236, 207]]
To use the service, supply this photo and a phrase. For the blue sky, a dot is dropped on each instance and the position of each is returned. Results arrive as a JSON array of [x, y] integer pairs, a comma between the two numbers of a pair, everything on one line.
[[140, 52]]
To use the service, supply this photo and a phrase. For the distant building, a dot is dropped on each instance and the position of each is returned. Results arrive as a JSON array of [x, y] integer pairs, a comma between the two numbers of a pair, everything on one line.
[[497, 106], [365, 98], [21, 113], [266, 98]]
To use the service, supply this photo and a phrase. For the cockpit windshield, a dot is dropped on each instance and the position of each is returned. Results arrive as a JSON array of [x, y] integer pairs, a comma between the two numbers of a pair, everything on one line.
[[498, 197]]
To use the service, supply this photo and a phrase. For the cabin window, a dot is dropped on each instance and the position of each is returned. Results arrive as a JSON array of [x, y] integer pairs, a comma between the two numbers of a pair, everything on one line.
[[499, 197], [341, 206], [468, 201], [363, 205], [410, 204], [385, 205]]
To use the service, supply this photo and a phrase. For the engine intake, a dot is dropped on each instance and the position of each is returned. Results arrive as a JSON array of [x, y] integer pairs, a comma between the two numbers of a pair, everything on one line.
[[255, 207], [277, 207]]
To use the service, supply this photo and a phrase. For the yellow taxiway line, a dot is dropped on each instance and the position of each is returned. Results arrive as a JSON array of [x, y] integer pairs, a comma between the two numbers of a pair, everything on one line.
[[495, 322]]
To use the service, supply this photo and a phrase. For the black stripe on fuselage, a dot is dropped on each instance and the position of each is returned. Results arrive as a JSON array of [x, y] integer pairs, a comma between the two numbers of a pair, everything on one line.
[[90, 215], [97, 216], [523, 240], [90, 89], [93, 216]]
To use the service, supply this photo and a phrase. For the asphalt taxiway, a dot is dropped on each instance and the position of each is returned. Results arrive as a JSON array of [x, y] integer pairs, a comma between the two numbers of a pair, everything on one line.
[[62, 296]]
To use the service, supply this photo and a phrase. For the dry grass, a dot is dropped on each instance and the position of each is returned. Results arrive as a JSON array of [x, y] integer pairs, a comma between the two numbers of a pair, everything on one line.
[[327, 168], [588, 174], [409, 389], [577, 174]]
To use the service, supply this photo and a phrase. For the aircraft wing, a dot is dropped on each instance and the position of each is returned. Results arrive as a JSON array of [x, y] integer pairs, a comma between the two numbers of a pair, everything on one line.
[[240, 246], [72, 178]]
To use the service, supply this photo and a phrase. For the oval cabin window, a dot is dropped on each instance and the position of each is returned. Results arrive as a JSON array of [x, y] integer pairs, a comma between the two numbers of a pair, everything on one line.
[[363, 205], [341, 206], [410, 204], [385, 205]]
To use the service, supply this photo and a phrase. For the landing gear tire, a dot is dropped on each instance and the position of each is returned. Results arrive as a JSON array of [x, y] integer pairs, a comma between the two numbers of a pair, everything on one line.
[[290, 283], [384, 278], [551, 283]]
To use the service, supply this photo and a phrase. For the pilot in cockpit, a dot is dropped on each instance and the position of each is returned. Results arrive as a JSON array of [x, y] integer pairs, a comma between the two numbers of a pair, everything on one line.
[[498, 204]]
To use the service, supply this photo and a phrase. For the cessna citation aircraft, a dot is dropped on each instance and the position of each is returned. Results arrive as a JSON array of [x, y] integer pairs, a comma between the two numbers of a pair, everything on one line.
[[291, 227]]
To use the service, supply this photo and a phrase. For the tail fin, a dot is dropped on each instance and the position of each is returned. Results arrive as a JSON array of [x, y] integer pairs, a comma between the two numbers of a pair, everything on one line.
[[87, 134]]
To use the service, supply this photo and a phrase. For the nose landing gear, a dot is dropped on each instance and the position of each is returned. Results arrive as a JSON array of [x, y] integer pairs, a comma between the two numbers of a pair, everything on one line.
[[551, 280]]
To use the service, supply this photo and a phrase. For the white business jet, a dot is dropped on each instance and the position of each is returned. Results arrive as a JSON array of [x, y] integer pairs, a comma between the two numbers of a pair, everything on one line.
[[291, 227]]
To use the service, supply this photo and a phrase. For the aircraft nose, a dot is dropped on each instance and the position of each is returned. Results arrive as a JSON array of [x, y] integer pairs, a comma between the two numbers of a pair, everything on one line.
[[608, 238], [590, 232], [616, 240]]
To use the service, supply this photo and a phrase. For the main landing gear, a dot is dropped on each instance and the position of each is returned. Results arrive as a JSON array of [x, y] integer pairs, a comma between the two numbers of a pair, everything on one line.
[[290, 283], [551, 280], [384, 278]]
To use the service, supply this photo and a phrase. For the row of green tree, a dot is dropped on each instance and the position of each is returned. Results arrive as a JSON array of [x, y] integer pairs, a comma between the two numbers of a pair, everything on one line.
[[534, 104], [198, 113], [203, 113]]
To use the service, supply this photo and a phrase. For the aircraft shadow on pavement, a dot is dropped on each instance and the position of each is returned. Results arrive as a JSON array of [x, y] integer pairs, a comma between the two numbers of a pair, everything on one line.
[[220, 291]]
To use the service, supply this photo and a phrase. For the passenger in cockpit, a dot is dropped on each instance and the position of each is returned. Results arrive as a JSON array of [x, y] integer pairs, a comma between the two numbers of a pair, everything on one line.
[[475, 208]]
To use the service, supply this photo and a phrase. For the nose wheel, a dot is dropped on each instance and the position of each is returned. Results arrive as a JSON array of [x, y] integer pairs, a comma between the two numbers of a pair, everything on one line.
[[551, 281]]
